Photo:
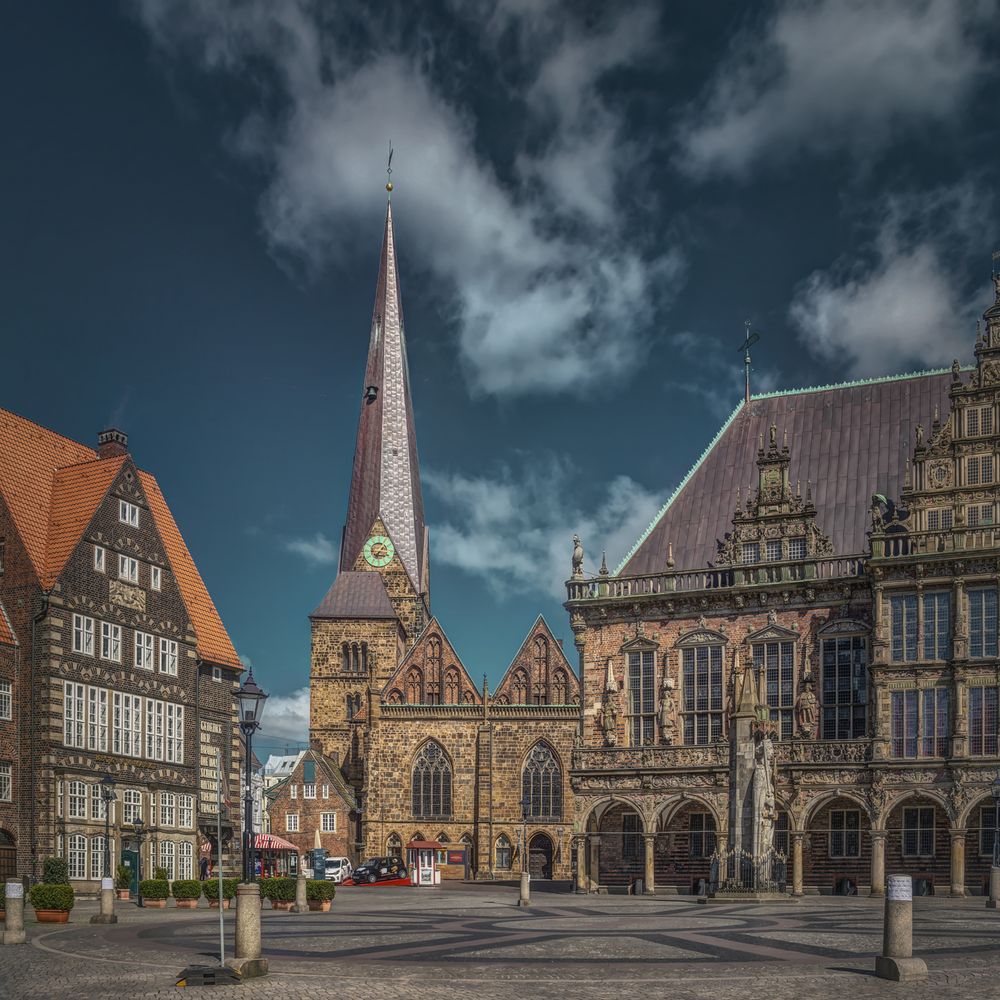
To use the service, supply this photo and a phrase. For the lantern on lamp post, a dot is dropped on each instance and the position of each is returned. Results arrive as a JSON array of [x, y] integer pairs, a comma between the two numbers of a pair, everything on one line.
[[139, 828], [250, 702], [107, 797]]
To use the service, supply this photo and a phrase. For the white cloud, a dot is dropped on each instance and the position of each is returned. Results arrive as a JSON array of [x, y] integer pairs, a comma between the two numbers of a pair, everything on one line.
[[286, 716], [902, 302], [824, 75], [318, 550], [515, 529], [543, 278]]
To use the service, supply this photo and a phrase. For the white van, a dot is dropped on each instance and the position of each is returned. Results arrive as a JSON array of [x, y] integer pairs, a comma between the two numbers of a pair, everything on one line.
[[337, 869]]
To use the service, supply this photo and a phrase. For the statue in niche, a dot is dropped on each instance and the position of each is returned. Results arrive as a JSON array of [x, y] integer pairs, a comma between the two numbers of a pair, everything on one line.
[[666, 718], [765, 811], [609, 706], [805, 710]]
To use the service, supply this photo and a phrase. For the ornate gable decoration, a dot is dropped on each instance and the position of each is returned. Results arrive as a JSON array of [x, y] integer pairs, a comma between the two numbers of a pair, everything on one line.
[[773, 632], [431, 673], [844, 626], [539, 674], [776, 525], [700, 635], [639, 643]]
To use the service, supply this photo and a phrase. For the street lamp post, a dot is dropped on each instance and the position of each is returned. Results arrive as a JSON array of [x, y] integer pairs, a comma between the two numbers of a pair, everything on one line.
[[138, 827], [107, 797], [250, 701], [525, 896]]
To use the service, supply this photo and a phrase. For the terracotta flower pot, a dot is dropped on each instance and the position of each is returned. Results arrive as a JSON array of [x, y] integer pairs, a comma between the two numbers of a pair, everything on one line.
[[157, 903], [214, 903], [320, 905], [186, 904], [281, 904], [52, 916]]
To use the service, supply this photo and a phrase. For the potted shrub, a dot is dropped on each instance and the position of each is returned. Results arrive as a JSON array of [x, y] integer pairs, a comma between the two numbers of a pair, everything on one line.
[[154, 892], [319, 894], [186, 893], [282, 893], [53, 897], [123, 879], [211, 889]]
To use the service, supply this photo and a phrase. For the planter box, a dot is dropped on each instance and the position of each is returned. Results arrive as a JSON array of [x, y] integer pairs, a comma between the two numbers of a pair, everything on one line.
[[157, 903], [52, 916], [122, 893], [280, 904], [214, 904], [320, 905], [186, 904]]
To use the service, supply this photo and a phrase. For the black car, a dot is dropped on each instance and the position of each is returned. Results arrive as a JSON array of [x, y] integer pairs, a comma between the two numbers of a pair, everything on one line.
[[380, 869]]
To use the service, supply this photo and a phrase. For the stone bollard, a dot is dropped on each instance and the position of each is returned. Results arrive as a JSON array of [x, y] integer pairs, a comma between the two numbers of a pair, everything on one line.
[[107, 914], [301, 900], [525, 897], [248, 962], [13, 931], [994, 901], [896, 961]]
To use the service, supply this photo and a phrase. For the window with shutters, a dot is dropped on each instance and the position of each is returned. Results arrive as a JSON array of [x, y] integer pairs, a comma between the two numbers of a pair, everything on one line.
[[431, 782]]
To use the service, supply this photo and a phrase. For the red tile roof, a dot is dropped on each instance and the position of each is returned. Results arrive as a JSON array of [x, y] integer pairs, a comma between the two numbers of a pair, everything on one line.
[[52, 487], [850, 441], [6, 629]]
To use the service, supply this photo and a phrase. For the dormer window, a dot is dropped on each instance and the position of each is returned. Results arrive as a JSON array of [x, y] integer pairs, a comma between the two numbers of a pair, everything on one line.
[[128, 513], [978, 470], [940, 519], [750, 553], [796, 548], [773, 550], [979, 514], [978, 421]]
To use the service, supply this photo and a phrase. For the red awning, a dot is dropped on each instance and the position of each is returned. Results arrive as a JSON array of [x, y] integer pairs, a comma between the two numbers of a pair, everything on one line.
[[269, 842]]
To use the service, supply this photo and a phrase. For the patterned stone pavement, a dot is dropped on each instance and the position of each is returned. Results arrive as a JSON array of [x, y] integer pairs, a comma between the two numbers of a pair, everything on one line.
[[473, 941]]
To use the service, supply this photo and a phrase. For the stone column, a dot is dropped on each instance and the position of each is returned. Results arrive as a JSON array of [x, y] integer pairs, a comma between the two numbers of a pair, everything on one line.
[[649, 881], [13, 930], [248, 962], [595, 859], [581, 863], [797, 863], [957, 862], [107, 914], [301, 900], [878, 863]]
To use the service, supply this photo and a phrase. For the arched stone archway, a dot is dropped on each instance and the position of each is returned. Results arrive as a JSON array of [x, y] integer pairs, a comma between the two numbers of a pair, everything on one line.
[[620, 852], [918, 842], [686, 838], [540, 856], [979, 823], [837, 846]]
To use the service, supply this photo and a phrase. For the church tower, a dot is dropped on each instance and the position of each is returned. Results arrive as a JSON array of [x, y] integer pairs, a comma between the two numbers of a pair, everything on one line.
[[380, 602]]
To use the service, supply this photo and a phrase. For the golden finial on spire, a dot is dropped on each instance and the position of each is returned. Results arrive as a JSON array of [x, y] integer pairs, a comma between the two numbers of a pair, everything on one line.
[[388, 170]]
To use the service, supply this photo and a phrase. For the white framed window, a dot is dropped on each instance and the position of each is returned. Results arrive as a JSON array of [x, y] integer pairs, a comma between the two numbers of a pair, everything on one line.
[[978, 470], [59, 799], [175, 733], [97, 804], [76, 798], [291, 822], [155, 578], [77, 859], [940, 519], [168, 657], [99, 558], [217, 674], [143, 651], [97, 719], [128, 513], [6, 700], [326, 791], [168, 809], [978, 421], [185, 812], [97, 856], [127, 724], [293, 791], [168, 853], [73, 714], [111, 642], [979, 514], [328, 822], [154, 729], [128, 568], [6, 782], [185, 860], [131, 805], [83, 635], [309, 791]]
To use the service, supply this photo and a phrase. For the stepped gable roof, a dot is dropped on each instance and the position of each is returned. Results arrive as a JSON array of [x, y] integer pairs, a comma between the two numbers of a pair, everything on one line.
[[849, 441], [522, 658], [416, 655], [356, 594], [52, 487], [6, 629]]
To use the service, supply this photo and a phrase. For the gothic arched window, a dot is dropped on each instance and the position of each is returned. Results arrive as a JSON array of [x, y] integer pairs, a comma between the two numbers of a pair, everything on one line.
[[394, 844], [503, 853], [519, 688], [559, 688], [395, 696], [415, 687], [541, 783], [451, 687], [345, 656], [432, 782]]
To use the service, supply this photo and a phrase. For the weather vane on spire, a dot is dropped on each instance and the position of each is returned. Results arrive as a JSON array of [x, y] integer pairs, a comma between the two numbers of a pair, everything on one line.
[[751, 339], [388, 170]]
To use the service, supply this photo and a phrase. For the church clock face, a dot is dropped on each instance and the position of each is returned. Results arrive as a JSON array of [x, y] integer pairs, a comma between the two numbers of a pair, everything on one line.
[[378, 551]]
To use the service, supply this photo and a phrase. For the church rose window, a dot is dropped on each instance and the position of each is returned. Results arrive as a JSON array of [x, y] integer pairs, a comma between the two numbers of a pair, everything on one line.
[[702, 675], [641, 698], [541, 783], [777, 660], [432, 782], [845, 687]]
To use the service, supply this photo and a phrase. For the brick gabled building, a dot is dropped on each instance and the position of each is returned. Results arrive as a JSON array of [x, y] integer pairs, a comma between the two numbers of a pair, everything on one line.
[[117, 661]]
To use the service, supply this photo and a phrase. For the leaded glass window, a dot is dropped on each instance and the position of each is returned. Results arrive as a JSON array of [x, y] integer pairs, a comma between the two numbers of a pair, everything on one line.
[[432, 782], [541, 783], [702, 843], [845, 688], [918, 832], [777, 660], [983, 622], [845, 833], [937, 625], [983, 721], [702, 678], [641, 698], [903, 618]]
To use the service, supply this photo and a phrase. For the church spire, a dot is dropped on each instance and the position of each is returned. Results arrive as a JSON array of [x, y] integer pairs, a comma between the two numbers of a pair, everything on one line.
[[386, 478]]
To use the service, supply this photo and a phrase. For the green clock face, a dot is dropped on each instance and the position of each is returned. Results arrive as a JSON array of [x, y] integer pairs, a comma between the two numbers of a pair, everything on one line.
[[378, 550]]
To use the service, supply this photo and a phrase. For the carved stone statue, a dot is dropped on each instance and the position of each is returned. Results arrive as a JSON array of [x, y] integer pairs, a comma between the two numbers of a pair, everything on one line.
[[878, 521], [765, 810], [805, 709], [666, 719], [920, 435], [609, 706], [577, 556]]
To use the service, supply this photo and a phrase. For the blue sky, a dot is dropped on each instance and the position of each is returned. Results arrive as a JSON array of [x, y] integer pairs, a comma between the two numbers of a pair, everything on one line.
[[590, 199]]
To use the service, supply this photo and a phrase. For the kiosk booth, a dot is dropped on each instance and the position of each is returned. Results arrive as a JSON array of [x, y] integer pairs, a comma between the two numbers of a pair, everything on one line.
[[422, 862]]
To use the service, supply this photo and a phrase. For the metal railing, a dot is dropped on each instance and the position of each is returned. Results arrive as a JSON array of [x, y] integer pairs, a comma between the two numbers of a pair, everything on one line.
[[893, 545]]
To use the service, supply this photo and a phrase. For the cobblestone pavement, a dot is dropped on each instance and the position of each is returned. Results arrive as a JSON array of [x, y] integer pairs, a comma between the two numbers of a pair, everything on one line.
[[474, 941]]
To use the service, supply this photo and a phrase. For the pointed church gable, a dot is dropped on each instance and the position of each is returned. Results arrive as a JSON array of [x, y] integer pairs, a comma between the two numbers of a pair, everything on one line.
[[431, 673], [539, 674], [384, 558]]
